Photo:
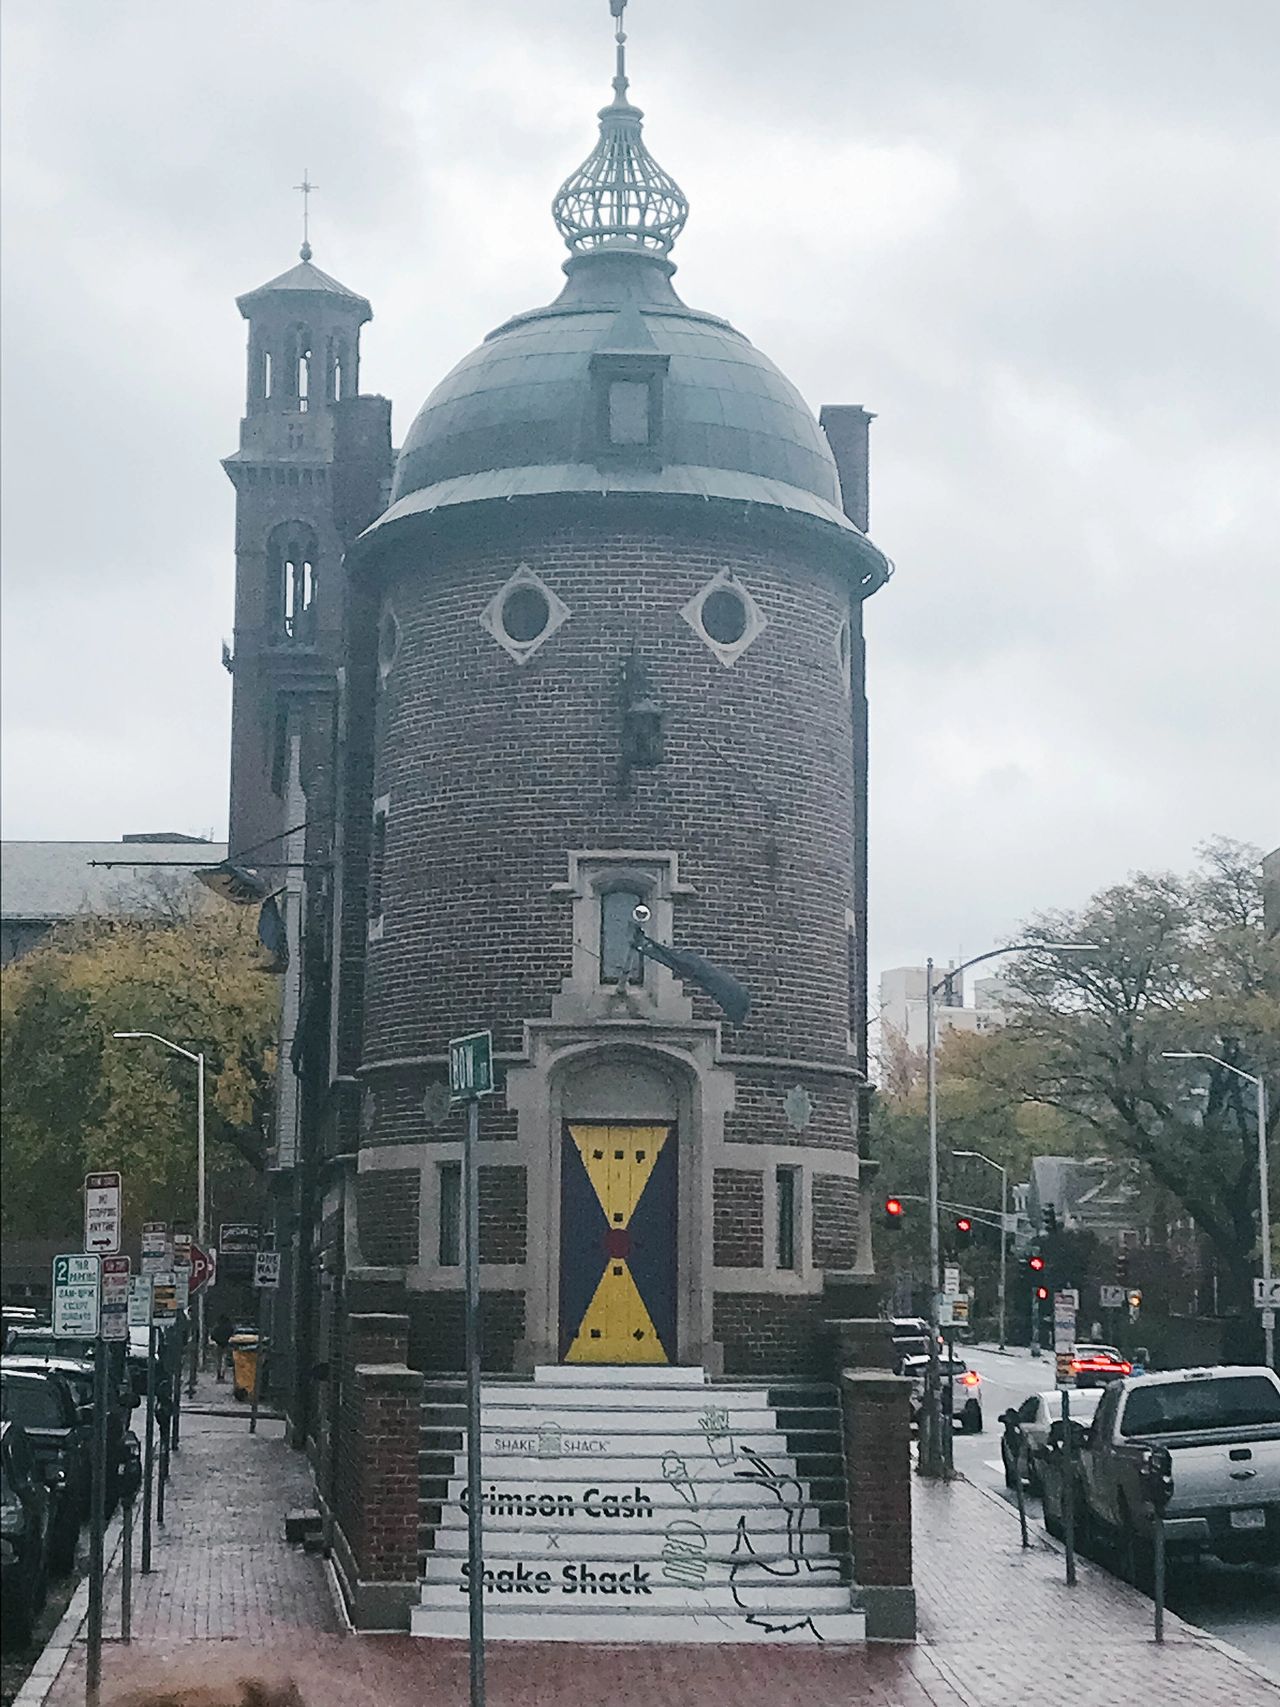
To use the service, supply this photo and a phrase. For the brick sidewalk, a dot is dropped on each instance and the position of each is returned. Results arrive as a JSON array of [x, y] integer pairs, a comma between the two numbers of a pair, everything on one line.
[[228, 1598]]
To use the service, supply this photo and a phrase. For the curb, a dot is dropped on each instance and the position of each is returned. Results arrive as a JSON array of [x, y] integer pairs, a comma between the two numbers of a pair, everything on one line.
[[1187, 1631], [57, 1650]]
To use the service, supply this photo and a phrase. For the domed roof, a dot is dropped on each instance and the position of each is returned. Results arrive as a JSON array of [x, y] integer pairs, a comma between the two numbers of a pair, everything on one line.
[[528, 412], [524, 406]]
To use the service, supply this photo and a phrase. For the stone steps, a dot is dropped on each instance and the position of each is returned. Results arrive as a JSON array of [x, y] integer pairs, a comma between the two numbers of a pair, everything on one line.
[[640, 1504]]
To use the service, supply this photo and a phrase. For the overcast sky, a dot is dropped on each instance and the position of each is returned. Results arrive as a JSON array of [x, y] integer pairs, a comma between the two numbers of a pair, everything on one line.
[[1038, 239]]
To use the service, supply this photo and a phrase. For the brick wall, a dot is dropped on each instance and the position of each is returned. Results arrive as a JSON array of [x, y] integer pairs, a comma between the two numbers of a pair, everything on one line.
[[436, 1333], [503, 1215], [376, 1497], [760, 1117], [494, 771], [835, 1221], [766, 1335], [738, 1218], [878, 1455], [387, 1207]]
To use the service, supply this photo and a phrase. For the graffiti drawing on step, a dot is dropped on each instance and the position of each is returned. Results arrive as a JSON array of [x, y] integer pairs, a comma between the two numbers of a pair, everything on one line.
[[753, 1597]]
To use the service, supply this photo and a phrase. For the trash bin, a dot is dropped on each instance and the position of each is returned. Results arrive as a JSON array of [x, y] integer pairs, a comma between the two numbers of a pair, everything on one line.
[[244, 1364]]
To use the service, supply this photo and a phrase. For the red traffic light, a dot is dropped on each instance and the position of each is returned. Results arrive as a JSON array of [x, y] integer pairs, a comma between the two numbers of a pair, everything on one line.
[[964, 1225], [1042, 1292], [1035, 1264], [893, 1206]]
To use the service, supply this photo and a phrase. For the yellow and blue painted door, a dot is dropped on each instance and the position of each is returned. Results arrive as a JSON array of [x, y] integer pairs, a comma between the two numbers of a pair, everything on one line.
[[618, 1243]]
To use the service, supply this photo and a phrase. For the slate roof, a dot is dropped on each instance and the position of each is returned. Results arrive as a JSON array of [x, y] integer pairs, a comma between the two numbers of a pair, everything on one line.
[[44, 882], [304, 279]]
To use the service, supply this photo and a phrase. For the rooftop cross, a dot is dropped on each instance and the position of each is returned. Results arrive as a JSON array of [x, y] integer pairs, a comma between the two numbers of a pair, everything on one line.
[[306, 187]]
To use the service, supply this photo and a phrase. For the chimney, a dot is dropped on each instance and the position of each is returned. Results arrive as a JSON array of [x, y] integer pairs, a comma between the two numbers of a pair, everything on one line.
[[848, 430]]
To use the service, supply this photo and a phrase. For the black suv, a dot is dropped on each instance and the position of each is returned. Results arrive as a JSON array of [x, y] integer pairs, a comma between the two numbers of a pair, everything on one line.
[[59, 1433], [24, 1529], [77, 1372]]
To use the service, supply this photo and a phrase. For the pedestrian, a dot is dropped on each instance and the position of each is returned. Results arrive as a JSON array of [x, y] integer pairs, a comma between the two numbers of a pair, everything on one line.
[[220, 1334]]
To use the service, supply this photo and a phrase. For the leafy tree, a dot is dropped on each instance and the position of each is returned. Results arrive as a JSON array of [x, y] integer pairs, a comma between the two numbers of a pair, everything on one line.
[[72, 1099], [1182, 963]]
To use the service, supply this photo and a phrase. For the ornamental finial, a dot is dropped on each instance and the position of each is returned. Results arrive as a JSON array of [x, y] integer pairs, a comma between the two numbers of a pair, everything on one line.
[[620, 198]]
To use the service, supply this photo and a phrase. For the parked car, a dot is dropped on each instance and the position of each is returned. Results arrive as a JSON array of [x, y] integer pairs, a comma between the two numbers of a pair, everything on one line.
[[1026, 1429], [79, 1376], [1095, 1365], [59, 1435], [910, 1339], [1221, 1427], [42, 1342], [960, 1387], [24, 1529]]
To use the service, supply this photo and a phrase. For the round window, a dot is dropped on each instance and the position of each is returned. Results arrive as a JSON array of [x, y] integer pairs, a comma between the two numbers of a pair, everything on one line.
[[724, 615], [388, 641], [525, 613]]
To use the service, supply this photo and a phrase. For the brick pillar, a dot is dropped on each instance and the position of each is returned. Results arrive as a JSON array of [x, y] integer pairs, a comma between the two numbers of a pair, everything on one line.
[[877, 1443], [376, 1499]]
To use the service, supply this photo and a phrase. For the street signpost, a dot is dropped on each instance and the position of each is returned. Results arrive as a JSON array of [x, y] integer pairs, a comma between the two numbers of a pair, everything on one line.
[[164, 1299], [1065, 1305], [102, 1213], [951, 1281], [266, 1280], [115, 1299], [470, 1078], [1266, 1293], [76, 1291], [1111, 1297], [204, 1268], [156, 1249], [140, 1301]]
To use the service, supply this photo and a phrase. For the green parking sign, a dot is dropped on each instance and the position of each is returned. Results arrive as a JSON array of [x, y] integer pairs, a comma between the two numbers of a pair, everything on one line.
[[471, 1066]]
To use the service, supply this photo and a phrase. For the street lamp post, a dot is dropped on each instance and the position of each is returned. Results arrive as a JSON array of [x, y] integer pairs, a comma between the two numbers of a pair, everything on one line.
[[1264, 1184], [977, 1156], [931, 1455], [197, 1058]]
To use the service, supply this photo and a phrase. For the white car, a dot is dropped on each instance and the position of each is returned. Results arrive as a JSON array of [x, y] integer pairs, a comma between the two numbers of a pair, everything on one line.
[[1032, 1421]]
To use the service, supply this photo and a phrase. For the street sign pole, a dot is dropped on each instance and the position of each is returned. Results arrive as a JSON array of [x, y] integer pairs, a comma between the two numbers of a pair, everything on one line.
[[470, 1078], [97, 1526], [1069, 1490], [475, 1534], [149, 1448]]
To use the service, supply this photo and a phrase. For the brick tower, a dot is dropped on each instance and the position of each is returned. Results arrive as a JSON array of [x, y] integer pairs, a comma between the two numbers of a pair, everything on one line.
[[605, 654]]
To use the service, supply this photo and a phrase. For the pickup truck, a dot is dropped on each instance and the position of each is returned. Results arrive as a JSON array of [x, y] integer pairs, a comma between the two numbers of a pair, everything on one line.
[[1221, 1427]]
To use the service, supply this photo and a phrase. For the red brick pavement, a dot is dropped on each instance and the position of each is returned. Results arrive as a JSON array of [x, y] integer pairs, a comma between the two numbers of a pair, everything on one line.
[[229, 1598]]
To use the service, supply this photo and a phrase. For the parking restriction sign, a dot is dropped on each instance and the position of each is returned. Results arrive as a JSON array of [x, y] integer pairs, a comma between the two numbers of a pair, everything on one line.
[[102, 1213]]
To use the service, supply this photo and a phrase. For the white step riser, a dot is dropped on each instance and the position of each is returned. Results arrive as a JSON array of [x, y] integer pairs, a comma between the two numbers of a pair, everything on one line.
[[812, 1596], [635, 1378], [506, 1400], [767, 1527], [768, 1543], [652, 1444], [842, 1628]]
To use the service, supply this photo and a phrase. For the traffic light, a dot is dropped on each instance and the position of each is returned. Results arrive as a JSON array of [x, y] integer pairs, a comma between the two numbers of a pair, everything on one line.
[[1050, 1219], [1042, 1293], [1036, 1263], [894, 1214], [964, 1231]]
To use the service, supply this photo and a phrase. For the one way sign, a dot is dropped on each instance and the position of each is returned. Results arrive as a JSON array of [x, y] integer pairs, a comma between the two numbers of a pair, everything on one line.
[[1266, 1294]]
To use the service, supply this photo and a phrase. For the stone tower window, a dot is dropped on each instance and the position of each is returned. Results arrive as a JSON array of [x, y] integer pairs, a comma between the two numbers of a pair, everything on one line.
[[303, 358], [725, 617], [377, 865], [525, 614], [293, 583], [388, 643], [266, 373]]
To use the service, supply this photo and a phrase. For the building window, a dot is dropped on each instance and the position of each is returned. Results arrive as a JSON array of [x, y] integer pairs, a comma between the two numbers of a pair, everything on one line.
[[788, 1211], [725, 617], [523, 615], [450, 1252], [377, 864], [629, 412], [617, 907]]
